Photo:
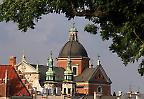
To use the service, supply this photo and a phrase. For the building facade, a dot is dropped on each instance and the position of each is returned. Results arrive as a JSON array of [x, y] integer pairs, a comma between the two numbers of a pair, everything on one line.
[[72, 74]]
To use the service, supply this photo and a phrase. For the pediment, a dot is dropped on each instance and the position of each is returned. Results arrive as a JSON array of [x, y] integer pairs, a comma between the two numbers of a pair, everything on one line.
[[26, 67], [100, 76]]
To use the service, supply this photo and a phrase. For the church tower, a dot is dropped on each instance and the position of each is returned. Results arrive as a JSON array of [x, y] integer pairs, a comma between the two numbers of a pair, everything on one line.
[[76, 51]]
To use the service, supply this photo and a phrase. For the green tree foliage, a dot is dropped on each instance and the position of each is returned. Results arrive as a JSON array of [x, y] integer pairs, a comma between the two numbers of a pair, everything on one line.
[[119, 20]]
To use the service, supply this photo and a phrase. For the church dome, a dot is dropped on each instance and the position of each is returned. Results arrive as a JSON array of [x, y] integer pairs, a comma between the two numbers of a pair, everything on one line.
[[73, 49]]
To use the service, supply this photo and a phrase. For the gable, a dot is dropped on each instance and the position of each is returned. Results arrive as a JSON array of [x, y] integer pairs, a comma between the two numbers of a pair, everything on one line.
[[99, 76], [26, 67]]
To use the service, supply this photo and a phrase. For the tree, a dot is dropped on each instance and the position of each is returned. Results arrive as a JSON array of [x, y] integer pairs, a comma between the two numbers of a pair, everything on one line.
[[122, 21]]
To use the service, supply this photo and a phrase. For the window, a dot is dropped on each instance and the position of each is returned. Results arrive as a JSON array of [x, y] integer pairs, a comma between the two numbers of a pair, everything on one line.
[[74, 70], [99, 89], [69, 90], [64, 90]]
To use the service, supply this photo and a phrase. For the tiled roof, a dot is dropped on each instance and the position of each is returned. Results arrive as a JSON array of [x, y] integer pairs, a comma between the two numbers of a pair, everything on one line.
[[85, 76], [15, 87], [88, 75]]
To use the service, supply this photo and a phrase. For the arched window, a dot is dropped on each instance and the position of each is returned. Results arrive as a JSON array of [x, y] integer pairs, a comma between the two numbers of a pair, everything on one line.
[[64, 90], [74, 70], [99, 89]]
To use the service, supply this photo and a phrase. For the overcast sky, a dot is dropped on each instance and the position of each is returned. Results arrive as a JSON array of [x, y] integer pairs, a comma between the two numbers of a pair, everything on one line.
[[51, 33]]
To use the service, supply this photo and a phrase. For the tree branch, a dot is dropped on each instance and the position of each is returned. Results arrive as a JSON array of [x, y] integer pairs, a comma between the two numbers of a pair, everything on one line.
[[88, 13], [98, 12], [138, 37]]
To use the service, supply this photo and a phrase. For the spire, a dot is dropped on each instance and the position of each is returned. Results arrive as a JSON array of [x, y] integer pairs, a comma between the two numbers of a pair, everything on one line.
[[69, 62], [37, 67], [50, 74], [73, 33], [50, 60], [23, 58], [98, 61]]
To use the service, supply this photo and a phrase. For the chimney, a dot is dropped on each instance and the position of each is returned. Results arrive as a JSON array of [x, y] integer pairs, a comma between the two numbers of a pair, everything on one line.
[[12, 60]]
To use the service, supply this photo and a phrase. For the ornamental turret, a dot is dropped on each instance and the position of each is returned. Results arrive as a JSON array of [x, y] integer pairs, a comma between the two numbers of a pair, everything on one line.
[[68, 86], [50, 74], [68, 74]]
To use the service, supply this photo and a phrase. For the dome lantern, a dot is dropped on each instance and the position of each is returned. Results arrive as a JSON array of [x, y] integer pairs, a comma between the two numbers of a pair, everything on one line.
[[73, 33]]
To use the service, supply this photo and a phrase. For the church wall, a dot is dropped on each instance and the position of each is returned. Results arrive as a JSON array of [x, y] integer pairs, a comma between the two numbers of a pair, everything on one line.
[[30, 74], [82, 88], [62, 63], [89, 88], [33, 79], [99, 77], [81, 62], [106, 89]]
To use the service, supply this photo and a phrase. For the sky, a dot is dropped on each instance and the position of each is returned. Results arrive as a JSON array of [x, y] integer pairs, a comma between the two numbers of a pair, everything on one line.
[[51, 33]]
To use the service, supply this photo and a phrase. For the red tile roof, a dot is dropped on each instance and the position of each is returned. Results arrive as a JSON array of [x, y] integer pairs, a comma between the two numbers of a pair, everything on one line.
[[14, 84]]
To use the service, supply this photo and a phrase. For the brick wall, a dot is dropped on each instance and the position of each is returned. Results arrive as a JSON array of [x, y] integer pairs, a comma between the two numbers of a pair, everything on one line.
[[81, 62], [106, 89]]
